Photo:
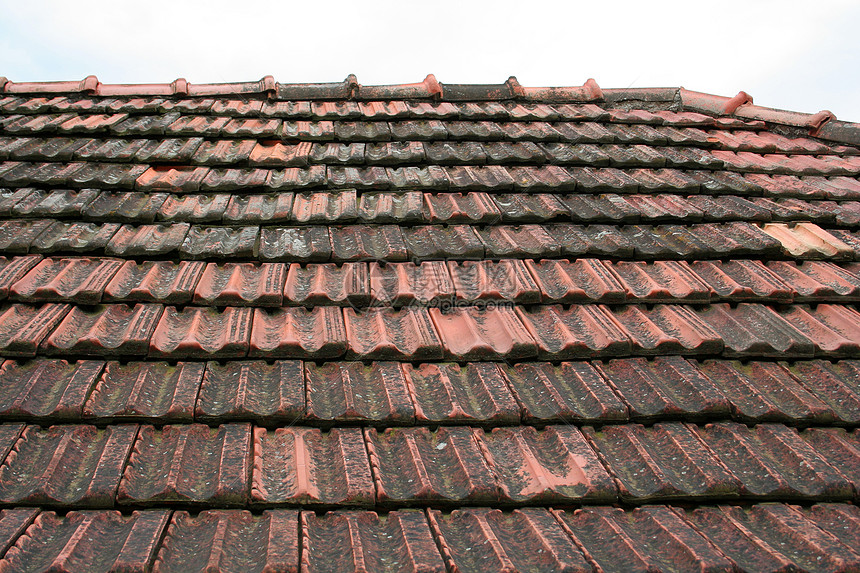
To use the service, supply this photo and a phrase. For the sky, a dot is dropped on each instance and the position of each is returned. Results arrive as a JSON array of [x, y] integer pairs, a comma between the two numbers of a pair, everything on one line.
[[802, 56]]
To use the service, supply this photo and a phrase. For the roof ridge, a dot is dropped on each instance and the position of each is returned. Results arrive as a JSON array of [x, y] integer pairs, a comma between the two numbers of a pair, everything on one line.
[[822, 124]]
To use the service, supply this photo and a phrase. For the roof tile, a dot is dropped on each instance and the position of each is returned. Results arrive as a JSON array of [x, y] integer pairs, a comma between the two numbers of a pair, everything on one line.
[[742, 280], [487, 280], [375, 393], [764, 392], [66, 280], [231, 539], [771, 536], [667, 329], [517, 241], [529, 208], [580, 280], [284, 474], [155, 281], [648, 538], [324, 207], [665, 387], [261, 209], [460, 208], [232, 179], [555, 465], [131, 240], [662, 281], [755, 330], [228, 151], [337, 153], [367, 242], [472, 333], [299, 244], [409, 178], [450, 393], [173, 179], [202, 333], [317, 332], [402, 284], [834, 329], [22, 327], [383, 207], [145, 391], [194, 208], [576, 331], [384, 333], [105, 330], [125, 206], [443, 242], [401, 540], [773, 460], [413, 464], [189, 464], [487, 539], [77, 237], [79, 540], [327, 283], [664, 461], [252, 390], [66, 465], [205, 242], [12, 269], [813, 281], [835, 384], [567, 392], [296, 178], [241, 284], [41, 390]]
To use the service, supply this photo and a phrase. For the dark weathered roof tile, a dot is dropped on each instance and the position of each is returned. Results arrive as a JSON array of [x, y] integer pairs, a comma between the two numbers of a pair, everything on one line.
[[202, 333], [188, 464], [155, 281], [145, 391], [241, 284], [384, 333], [66, 280], [66, 465], [40, 390]]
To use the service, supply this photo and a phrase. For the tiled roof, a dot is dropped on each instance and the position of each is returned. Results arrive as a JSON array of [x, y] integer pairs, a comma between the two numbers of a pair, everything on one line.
[[426, 327]]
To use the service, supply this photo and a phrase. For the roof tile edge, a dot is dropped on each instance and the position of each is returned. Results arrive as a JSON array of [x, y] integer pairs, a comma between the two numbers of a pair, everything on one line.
[[823, 124]]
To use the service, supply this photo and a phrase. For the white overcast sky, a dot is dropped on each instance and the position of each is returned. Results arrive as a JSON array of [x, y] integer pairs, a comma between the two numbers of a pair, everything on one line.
[[802, 56]]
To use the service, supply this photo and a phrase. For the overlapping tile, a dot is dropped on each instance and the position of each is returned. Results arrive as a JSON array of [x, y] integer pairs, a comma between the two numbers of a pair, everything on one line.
[[298, 332], [202, 333], [241, 284], [66, 280], [449, 393], [145, 391], [506, 280], [384, 333], [412, 464], [773, 460], [22, 328], [470, 333], [105, 330], [327, 283], [576, 331], [836, 384], [43, 390], [66, 465], [580, 280], [307, 466], [554, 465], [155, 281], [188, 464], [773, 536], [229, 540], [480, 539], [765, 391], [378, 393], [401, 284], [654, 538], [88, 540], [251, 390], [363, 540]]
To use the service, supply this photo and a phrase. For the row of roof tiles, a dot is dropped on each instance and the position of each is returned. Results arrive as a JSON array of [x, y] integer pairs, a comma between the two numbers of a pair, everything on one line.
[[20, 130], [248, 153], [822, 124], [822, 538], [30, 278], [390, 393], [415, 207], [395, 243], [238, 464], [493, 179], [488, 332]]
